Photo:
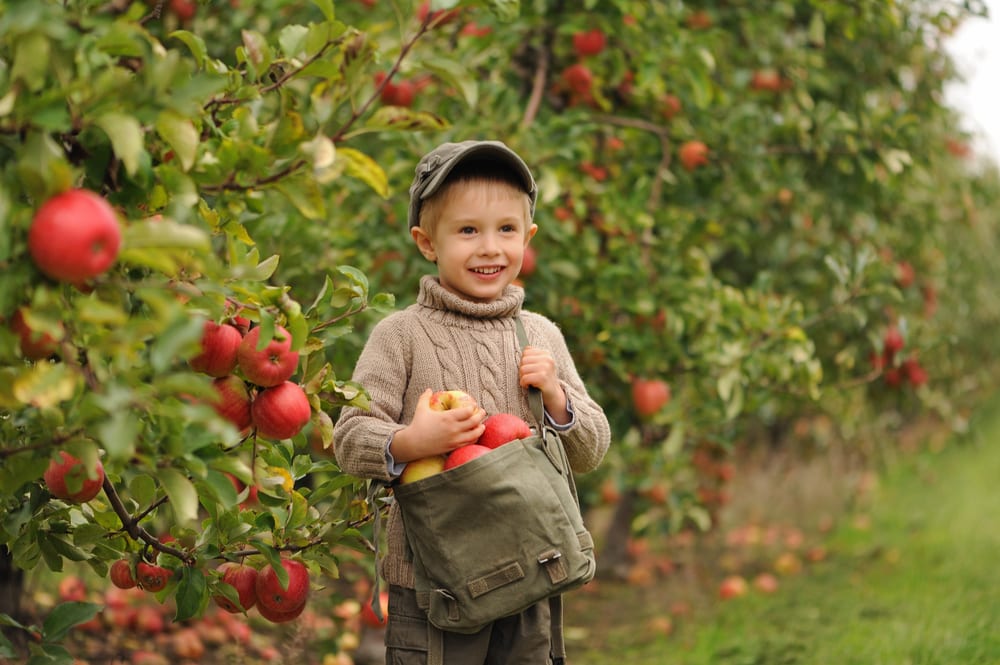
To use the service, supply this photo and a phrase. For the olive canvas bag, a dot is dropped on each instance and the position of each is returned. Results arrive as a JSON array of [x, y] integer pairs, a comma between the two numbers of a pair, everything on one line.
[[499, 533]]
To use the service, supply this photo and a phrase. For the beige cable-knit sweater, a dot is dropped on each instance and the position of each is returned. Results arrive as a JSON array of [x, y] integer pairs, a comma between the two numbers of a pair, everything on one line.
[[444, 342]]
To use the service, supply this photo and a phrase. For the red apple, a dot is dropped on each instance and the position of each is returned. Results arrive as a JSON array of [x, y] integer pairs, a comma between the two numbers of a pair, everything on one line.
[[590, 42], [243, 578], [121, 574], [671, 106], [72, 589], [399, 94], [277, 616], [528, 262], [151, 577], [693, 154], [422, 468], [34, 346], [233, 401], [462, 455], [733, 586], [892, 341], [74, 236], [271, 595], [280, 412], [268, 366], [649, 395], [914, 372], [187, 644], [446, 400], [184, 9], [502, 428], [766, 583], [578, 78], [69, 479], [766, 80], [219, 344], [368, 616]]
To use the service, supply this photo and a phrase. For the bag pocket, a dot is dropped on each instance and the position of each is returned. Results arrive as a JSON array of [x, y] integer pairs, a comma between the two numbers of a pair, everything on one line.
[[495, 535]]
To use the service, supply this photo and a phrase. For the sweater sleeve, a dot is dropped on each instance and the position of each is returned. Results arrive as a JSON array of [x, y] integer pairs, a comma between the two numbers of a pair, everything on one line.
[[589, 438], [361, 437]]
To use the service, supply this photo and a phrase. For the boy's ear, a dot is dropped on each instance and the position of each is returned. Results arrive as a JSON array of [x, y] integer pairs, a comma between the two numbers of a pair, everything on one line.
[[532, 230], [424, 243]]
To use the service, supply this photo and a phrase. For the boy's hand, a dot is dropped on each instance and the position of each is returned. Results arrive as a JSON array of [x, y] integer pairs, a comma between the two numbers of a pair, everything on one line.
[[434, 432], [538, 369]]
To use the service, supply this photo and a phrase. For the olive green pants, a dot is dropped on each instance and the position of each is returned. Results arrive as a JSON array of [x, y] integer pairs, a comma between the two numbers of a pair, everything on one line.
[[521, 639]]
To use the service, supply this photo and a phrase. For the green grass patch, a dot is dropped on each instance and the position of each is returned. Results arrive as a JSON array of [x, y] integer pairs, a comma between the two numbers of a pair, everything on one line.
[[914, 580]]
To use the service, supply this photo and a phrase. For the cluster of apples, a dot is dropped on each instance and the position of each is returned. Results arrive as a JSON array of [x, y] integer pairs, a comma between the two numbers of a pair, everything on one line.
[[501, 428], [278, 408]]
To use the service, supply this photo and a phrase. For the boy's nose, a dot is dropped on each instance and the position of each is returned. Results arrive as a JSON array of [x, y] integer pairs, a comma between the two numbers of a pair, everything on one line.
[[488, 244]]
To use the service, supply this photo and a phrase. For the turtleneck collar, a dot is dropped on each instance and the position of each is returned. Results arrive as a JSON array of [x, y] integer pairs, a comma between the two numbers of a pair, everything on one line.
[[434, 296]]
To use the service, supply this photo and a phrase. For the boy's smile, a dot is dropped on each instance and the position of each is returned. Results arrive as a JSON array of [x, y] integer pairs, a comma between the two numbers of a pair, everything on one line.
[[478, 241]]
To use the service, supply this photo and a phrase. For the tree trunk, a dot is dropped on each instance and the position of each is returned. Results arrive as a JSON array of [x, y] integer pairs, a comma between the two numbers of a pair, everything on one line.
[[613, 562], [11, 591]]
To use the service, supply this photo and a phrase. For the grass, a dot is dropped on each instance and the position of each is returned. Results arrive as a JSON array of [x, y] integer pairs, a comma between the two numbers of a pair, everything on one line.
[[911, 580]]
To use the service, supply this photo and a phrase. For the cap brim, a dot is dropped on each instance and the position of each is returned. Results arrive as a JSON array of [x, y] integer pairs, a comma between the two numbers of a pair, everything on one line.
[[492, 150]]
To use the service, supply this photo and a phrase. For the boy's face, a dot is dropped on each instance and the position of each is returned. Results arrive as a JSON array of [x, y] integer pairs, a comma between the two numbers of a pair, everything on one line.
[[478, 240]]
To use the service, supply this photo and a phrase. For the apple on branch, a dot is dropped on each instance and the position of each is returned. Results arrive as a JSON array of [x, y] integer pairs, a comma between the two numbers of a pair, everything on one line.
[[219, 345], [267, 364], [70, 479], [74, 236]]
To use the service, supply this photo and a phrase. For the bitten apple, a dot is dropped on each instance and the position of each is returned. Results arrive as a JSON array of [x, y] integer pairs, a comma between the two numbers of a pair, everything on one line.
[[422, 468], [271, 364], [74, 236], [121, 574], [502, 428], [68, 478], [462, 455], [280, 412]]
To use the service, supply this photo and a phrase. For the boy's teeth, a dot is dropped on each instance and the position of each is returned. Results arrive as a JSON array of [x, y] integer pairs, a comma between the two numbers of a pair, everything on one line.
[[486, 271]]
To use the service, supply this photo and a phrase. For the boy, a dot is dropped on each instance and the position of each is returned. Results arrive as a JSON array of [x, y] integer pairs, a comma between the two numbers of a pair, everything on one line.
[[471, 212]]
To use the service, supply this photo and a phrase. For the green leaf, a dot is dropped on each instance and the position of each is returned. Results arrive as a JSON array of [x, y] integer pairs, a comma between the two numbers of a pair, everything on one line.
[[181, 135], [325, 6], [64, 616], [192, 593], [165, 233], [194, 43], [365, 169], [119, 434], [455, 74], [125, 133], [273, 559], [305, 195], [184, 332], [402, 118], [31, 61], [504, 10], [45, 385], [6, 648], [182, 494]]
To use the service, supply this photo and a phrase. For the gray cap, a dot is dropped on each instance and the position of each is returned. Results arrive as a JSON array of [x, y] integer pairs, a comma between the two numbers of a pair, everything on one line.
[[434, 167]]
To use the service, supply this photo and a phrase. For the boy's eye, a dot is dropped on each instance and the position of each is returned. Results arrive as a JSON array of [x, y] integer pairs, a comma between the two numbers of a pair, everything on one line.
[[509, 228], [467, 230]]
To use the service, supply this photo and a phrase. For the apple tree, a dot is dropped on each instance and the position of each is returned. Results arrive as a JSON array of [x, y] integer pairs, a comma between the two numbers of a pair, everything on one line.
[[753, 205], [172, 176]]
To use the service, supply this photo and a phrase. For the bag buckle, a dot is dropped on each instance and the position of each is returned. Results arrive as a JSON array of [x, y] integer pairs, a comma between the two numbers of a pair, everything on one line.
[[551, 560]]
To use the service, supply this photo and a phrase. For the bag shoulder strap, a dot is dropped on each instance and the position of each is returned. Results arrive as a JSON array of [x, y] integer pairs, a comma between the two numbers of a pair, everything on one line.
[[534, 394], [557, 643]]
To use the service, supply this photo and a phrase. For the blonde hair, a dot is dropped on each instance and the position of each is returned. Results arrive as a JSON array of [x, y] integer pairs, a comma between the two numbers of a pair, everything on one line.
[[496, 183]]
